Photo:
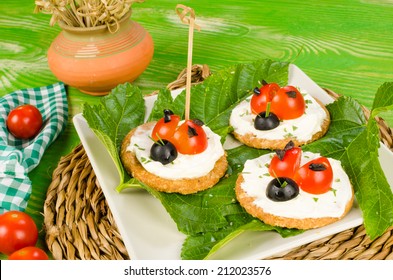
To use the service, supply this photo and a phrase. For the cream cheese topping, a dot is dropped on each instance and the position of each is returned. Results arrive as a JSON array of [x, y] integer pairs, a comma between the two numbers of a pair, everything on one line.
[[302, 128], [305, 205], [184, 166]]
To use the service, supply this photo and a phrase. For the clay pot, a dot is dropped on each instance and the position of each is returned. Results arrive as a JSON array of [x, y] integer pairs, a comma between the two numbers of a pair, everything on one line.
[[94, 60]]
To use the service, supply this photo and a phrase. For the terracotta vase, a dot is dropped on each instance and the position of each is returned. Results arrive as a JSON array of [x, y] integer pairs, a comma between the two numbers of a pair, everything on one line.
[[94, 60]]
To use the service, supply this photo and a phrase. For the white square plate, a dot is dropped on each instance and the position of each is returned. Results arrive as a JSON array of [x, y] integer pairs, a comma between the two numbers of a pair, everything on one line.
[[149, 233]]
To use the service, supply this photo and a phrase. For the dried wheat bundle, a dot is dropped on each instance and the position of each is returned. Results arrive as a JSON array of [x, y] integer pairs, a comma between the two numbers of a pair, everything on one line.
[[86, 13]]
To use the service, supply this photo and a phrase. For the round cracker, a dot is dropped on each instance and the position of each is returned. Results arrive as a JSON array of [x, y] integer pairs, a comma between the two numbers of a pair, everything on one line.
[[183, 186], [251, 140], [247, 202]]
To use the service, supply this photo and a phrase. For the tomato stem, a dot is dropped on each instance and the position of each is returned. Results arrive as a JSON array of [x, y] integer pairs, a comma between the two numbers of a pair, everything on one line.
[[159, 141], [267, 113]]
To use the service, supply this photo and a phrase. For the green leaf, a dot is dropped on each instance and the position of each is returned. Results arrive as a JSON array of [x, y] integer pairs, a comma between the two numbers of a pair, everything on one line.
[[202, 246], [376, 201], [164, 101], [115, 115], [372, 190], [383, 103], [113, 152], [238, 156], [387, 116], [254, 225], [131, 183], [383, 100], [347, 121], [204, 211], [355, 143]]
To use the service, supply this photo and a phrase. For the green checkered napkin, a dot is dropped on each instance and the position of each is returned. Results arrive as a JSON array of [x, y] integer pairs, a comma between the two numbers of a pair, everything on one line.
[[18, 157]]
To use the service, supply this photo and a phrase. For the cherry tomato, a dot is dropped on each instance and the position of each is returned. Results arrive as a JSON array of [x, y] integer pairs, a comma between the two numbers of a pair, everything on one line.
[[29, 253], [17, 230], [24, 121], [263, 96], [288, 103], [166, 126], [316, 176], [287, 165], [190, 138]]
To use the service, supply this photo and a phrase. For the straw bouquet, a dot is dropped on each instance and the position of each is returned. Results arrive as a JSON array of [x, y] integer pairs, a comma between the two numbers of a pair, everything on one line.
[[85, 13]]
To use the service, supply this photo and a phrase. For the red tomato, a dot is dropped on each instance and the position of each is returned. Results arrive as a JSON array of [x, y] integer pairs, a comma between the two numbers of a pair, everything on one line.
[[190, 138], [166, 126], [288, 103], [29, 253], [316, 176], [24, 121], [288, 165], [17, 230], [260, 100]]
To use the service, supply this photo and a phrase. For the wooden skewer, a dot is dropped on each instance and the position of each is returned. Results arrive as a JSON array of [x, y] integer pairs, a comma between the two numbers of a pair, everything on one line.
[[182, 12]]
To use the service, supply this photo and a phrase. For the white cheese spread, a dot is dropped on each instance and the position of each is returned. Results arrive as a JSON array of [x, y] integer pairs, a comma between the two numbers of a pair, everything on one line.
[[302, 128], [184, 166], [305, 205]]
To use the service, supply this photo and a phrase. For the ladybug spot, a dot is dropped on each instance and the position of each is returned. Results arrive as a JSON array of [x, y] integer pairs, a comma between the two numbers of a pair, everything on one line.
[[291, 94], [317, 167], [191, 132]]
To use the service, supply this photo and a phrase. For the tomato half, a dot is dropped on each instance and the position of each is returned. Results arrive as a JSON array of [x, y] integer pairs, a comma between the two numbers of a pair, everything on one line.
[[287, 165], [29, 253], [316, 176], [288, 103], [17, 230], [24, 121], [166, 126], [262, 97], [190, 138]]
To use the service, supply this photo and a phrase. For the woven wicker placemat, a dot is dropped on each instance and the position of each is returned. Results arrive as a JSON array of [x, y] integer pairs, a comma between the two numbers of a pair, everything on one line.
[[80, 225]]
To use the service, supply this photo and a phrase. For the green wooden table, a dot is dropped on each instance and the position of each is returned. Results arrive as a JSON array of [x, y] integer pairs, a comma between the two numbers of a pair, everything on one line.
[[346, 46]]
